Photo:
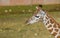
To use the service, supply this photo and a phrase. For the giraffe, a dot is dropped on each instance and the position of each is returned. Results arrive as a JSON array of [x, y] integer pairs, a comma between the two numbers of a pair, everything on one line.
[[52, 26]]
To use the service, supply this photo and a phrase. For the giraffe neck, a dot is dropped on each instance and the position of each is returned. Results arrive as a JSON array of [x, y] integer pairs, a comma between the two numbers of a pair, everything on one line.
[[52, 26]]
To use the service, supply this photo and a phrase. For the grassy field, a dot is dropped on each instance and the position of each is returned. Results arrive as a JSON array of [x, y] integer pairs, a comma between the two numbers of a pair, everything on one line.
[[13, 26], [20, 9]]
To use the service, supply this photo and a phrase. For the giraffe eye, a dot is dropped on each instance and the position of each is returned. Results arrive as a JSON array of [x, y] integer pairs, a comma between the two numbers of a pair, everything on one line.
[[37, 16]]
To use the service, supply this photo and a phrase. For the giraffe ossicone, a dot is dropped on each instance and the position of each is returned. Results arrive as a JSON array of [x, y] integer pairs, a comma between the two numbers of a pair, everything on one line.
[[48, 21]]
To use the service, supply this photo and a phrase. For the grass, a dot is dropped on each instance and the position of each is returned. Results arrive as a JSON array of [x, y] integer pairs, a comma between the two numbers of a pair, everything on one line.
[[13, 26], [19, 9]]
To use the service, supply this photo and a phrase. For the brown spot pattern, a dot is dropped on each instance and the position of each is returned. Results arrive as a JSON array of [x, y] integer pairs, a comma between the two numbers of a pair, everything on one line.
[[49, 26], [47, 23], [56, 30], [54, 26], [58, 36], [54, 34], [51, 21], [46, 17], [51, 30], [58, 25]]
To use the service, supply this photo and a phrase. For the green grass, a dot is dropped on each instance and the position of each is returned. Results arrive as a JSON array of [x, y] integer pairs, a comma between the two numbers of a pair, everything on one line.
[[13, 26], [19, 9]]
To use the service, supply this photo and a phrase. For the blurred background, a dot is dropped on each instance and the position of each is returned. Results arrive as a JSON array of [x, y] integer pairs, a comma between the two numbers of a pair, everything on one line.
[[14, 13], [27, 2]]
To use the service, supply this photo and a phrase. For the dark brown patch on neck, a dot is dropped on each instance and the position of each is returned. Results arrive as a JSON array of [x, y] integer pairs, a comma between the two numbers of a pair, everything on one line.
[[49, 26], [47, 23], [56, 30], [46, 17], [54, 33], [58, 36], [58, 25], [54, 25], [51, 30], [51, 21]]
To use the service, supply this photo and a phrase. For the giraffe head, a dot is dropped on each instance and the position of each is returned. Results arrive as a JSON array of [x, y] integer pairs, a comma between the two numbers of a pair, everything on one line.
[[39, 16], [35, 18]]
